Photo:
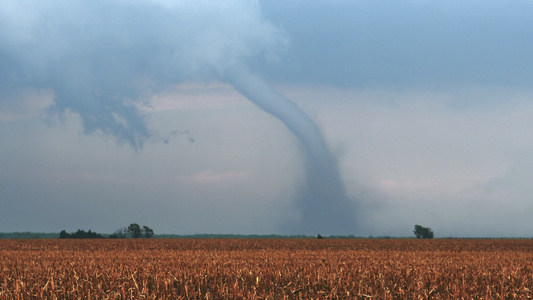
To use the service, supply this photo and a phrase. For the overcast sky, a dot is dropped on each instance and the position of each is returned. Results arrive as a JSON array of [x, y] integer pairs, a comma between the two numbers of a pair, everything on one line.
[[117, 112]]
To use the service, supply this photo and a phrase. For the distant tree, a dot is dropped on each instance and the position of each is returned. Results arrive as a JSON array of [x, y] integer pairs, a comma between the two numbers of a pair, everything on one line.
[[119, 233], [422, 232], [64, 235], [147, 232], [135, 230], [80, 234]]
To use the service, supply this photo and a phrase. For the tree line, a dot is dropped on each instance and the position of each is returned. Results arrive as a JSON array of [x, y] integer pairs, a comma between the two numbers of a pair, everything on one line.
[[134, 230], [80, 234]]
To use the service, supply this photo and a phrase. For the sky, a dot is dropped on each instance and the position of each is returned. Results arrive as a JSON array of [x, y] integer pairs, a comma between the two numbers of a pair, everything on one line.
[[267, 117]]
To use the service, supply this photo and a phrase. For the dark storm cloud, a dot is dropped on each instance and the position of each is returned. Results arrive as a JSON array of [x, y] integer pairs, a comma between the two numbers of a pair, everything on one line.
[[357, 43], [101, 57]]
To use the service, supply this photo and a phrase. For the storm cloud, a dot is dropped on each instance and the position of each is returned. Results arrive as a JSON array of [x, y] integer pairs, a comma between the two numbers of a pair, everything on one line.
[[422, 112], [99, 64], [102, 59]]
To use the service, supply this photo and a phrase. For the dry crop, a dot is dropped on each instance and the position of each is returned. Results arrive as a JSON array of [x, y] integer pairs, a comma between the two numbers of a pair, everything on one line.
[[266, 269]]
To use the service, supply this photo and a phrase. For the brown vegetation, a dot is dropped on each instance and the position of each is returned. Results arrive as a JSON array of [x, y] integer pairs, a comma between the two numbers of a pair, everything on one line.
[[266, 269]]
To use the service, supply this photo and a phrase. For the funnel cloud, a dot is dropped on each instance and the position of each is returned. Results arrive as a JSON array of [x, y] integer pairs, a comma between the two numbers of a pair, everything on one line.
[[322, 201], [101, 62]]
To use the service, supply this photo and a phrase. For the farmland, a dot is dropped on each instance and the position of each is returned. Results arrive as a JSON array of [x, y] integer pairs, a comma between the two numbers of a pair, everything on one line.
[[266, 269]]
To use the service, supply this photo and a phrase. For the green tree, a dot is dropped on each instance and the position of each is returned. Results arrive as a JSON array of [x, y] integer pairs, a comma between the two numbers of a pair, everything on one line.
[[147, 232], [422, 232], [64, 235], [135, 230]]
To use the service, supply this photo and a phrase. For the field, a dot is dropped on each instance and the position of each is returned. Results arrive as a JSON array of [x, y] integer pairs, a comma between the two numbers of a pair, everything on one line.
[[266, 269]]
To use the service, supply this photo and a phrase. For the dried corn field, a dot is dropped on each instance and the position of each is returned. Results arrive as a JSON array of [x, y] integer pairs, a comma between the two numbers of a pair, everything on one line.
[[266, 269]]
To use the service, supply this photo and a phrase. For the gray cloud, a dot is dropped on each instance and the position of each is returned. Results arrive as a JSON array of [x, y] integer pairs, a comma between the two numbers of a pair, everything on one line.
[[95, 62], [361, 43], [426, 104], [101, 58]]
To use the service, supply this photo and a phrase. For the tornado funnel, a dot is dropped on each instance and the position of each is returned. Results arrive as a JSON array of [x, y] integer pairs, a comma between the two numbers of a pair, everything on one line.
[[322, 201]]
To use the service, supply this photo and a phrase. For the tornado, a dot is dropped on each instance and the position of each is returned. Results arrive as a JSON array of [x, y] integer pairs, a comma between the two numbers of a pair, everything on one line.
[[322, 202], [104, 76]]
